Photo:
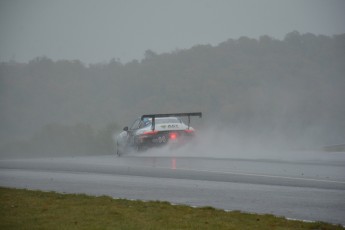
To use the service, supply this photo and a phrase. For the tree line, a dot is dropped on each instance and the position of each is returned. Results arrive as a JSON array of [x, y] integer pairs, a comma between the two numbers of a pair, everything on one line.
[[292, 87]]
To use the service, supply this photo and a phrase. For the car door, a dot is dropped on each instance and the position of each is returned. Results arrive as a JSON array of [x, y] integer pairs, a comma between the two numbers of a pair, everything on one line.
[[132, 131]]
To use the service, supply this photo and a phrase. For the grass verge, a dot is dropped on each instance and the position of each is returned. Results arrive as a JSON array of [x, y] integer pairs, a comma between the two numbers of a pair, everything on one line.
[[23, 209]]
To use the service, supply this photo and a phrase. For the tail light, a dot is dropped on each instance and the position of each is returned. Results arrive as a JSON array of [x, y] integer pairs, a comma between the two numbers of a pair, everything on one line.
[[173, 136], [191, 131], [153, 132]]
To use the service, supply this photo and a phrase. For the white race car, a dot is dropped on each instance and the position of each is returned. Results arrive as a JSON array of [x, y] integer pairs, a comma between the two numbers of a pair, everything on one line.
[[155, 130]]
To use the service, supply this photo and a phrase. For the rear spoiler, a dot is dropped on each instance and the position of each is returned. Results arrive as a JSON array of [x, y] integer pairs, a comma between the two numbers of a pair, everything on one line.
[[153, 116]]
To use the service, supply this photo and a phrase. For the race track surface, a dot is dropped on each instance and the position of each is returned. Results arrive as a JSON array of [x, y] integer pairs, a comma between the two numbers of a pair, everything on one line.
[[310, 186]]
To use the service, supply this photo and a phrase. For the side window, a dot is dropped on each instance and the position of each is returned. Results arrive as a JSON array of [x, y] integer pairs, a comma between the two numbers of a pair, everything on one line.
[[135, 125], [142, 124]]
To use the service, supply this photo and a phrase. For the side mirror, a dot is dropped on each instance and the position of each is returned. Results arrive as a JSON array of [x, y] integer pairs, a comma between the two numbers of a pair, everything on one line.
[[125, 128]]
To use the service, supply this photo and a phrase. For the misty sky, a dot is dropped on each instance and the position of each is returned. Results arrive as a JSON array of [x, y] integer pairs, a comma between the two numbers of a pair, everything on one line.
[[96, 31]]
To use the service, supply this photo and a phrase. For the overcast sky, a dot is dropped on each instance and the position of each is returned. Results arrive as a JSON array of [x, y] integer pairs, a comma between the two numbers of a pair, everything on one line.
[[96, 31]]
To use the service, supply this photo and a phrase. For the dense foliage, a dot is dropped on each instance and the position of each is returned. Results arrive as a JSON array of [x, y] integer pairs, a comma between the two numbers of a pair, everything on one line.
[[294, 87]]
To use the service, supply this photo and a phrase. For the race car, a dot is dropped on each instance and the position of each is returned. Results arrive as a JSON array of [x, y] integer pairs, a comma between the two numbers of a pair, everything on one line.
[[155, 130]]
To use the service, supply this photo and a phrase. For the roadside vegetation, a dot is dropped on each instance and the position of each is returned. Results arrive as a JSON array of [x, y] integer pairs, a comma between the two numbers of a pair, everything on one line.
[[64, 140], [286, 91], [23, 209]]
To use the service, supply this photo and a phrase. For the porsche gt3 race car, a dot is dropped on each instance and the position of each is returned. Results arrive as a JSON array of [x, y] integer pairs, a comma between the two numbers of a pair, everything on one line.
[[155, 130]]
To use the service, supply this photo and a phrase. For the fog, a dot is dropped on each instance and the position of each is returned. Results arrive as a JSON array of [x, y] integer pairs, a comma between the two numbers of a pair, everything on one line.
[[96, 31], [218, 143], [268, 78]]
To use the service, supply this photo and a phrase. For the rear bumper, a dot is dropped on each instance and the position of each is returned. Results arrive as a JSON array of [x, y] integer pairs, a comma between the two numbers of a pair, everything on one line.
[[175, 138]]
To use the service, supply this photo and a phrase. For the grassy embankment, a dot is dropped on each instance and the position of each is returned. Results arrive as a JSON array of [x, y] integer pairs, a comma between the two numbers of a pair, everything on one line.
[[23, 209]]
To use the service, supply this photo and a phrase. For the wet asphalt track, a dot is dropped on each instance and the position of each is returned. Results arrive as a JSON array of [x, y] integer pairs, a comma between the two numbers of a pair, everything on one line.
[[310, 187]]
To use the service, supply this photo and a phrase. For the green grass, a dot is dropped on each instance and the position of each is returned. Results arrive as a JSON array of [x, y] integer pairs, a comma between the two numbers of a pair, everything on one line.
[[23, 209]]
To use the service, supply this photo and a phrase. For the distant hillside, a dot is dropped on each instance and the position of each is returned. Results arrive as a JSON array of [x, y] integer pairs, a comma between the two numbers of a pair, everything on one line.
[[294, 87]]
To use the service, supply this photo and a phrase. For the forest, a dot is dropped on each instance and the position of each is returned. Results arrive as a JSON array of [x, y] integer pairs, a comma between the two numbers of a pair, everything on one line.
[[293, 88]]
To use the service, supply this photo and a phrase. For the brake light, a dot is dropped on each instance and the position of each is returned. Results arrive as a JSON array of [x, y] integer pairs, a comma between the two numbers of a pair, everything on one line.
[[173, 136], [189, 131], [150, 132]]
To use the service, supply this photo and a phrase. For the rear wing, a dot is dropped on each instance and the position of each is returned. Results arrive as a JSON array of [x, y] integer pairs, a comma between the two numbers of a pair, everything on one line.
[[153, 116]]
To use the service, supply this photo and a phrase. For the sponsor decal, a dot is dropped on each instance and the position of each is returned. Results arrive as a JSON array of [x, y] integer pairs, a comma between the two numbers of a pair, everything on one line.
[[169, 126]]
